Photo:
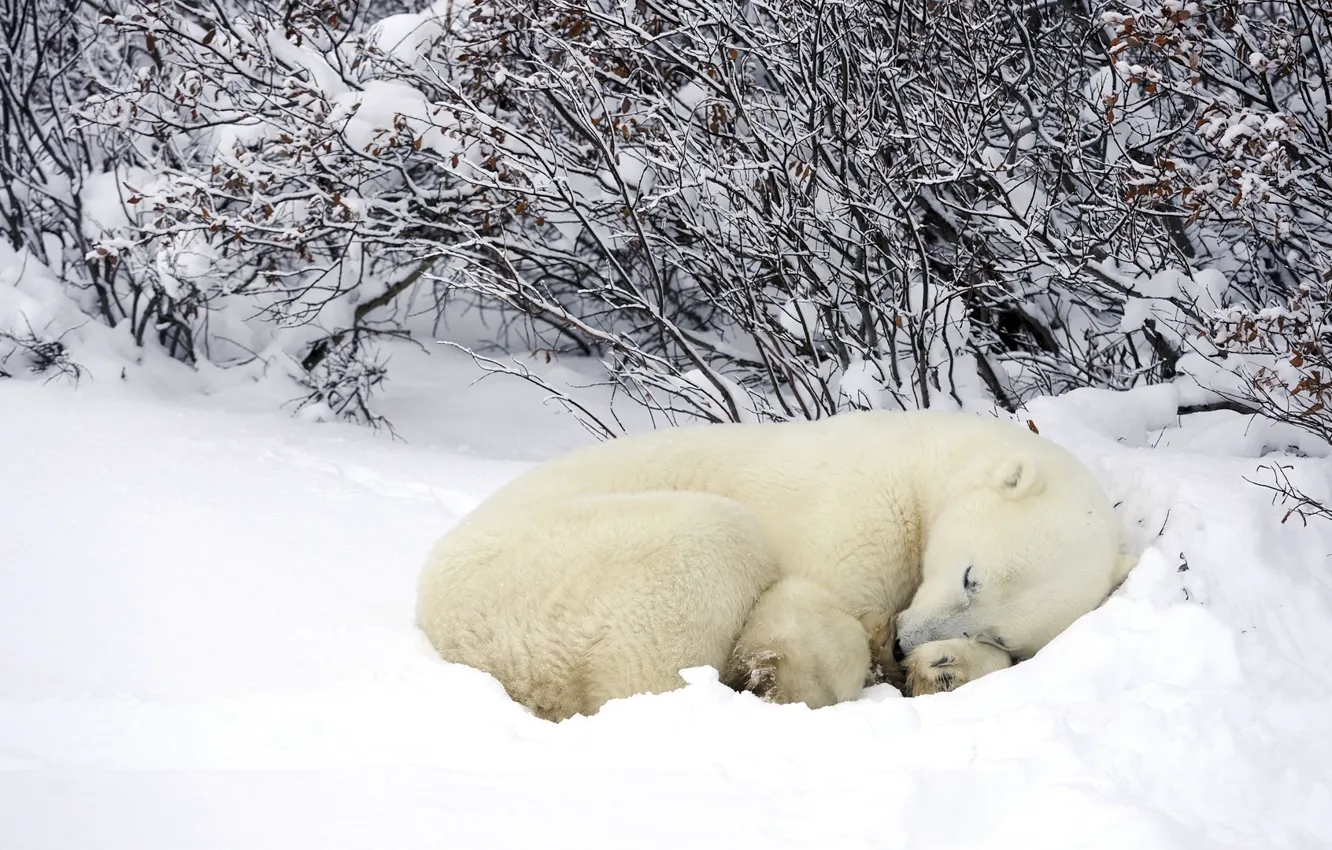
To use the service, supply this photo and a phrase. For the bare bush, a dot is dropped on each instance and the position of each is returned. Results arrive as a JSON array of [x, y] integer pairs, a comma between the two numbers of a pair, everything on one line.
[[1247, 85], [787, 210], [832, 205], [1284, 357], [743, 210], [52, 53]]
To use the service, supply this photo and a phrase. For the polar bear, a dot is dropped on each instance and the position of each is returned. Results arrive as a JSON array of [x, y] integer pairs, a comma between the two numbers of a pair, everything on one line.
[[781, 554]]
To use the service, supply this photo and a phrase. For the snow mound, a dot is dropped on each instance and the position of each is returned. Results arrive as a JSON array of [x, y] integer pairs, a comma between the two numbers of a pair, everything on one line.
[[207, 622]]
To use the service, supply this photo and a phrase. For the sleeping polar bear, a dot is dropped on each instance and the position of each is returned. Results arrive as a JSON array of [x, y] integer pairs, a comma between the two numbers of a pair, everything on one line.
[[781, 555]]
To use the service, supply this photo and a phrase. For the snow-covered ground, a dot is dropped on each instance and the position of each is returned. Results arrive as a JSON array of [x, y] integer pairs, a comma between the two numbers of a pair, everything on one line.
[[206, 641]]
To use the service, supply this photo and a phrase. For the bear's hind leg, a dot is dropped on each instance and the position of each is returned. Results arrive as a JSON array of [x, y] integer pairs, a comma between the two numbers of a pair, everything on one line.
[[798, 645], [944, 665], [681, 572], [595, 597]]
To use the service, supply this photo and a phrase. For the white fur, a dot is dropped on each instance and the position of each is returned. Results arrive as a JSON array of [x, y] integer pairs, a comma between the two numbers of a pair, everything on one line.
[[772, 552]]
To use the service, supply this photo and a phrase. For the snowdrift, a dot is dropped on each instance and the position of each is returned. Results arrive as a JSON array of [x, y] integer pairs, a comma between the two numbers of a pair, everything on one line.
[[206, 622]]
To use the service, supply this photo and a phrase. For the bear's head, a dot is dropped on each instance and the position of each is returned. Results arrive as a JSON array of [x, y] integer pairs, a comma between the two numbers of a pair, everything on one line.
[[1012, 557]]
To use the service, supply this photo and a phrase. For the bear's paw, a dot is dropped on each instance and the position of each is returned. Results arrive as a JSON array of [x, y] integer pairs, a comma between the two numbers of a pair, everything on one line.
[[945, 665], [755, 672]]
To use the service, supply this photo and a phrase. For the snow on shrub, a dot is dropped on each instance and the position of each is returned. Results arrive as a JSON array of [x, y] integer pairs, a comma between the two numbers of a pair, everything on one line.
[[742, 210]]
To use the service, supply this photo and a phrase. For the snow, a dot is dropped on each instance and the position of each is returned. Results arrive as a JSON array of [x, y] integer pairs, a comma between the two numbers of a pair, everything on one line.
[[206, 614]]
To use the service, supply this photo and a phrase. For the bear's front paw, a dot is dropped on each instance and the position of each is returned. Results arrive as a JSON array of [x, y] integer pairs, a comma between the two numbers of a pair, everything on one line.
[[928, 673], [945, 665]]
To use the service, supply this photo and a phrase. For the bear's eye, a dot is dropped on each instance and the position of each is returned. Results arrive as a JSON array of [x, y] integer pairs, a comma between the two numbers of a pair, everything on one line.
[[968, 583]]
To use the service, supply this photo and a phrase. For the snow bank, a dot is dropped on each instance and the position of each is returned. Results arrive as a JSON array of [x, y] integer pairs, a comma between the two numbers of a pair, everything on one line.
[[207, 617]]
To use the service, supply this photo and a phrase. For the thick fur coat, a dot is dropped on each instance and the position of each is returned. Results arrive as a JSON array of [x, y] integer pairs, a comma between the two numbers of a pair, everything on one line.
[[779, 554]]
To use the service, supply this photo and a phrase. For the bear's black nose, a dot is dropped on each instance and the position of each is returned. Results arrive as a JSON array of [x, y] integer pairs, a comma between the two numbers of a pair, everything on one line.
[[898, 654]]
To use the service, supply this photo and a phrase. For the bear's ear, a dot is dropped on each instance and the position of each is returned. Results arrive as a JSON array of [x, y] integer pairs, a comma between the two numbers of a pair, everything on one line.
[[1019, 478]]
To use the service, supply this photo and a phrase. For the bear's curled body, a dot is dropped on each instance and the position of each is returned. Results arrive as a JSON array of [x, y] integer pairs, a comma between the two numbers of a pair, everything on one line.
[[771, 552]]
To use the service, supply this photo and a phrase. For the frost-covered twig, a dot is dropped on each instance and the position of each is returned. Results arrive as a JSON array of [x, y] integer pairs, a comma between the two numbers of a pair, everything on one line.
[[1284, 492], [42, 356], [585, 416]]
